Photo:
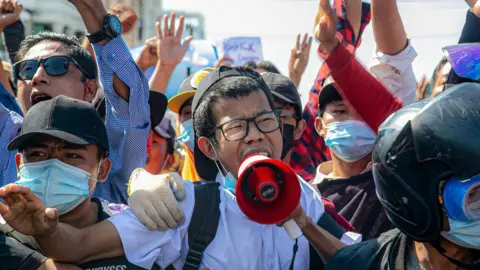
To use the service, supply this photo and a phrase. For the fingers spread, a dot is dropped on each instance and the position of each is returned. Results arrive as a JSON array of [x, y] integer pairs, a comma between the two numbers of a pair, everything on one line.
[[165, 26], [172, 24], [180, 27], [158, 27]]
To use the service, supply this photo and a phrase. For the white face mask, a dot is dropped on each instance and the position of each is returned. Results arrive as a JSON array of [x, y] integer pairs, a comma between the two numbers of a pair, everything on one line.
[[464, 233]]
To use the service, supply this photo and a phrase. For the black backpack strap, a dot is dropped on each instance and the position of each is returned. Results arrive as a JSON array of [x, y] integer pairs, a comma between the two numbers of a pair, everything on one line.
[[204, 223], [330, 225]]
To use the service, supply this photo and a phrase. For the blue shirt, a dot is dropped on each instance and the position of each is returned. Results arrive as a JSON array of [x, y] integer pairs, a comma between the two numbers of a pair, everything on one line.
[[239, 243], [128, 123], [9, 101]]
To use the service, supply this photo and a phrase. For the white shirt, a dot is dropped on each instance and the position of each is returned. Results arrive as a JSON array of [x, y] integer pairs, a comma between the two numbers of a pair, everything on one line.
[[239, 243], [396, 73]]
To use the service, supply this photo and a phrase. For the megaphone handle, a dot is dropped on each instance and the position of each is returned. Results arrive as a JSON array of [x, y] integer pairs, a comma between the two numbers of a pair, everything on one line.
[[292, 229]]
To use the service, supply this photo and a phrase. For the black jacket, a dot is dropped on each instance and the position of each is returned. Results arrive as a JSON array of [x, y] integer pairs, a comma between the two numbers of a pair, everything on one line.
[[388, 252]]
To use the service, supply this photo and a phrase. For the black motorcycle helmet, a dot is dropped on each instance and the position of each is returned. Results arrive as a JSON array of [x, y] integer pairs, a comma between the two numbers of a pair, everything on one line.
[[418, 147]]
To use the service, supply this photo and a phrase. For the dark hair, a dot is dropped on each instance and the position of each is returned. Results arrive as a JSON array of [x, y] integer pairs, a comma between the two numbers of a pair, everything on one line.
[[72, 46], [438, 67], [265, 65], [228, 88]]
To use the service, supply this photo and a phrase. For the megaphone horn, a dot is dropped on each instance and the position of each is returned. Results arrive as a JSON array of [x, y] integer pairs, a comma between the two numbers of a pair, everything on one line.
[[268, 191]]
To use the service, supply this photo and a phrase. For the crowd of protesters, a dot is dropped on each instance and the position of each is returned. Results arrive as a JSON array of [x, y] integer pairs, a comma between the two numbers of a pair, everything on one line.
[[95, 174]]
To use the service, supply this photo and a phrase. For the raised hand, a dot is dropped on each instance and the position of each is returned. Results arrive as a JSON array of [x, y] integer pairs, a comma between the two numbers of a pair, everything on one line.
[[9, 12], [326, 26], [92, 12], [474, 6], [299, 59], [169, 49], [148, 55], [25, 212]]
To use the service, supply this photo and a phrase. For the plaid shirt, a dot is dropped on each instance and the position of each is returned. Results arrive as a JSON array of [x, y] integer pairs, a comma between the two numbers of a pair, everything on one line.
[[310, 150]]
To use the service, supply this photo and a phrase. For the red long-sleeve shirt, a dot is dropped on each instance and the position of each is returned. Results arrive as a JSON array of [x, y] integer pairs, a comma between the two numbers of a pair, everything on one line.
[[368, 96]]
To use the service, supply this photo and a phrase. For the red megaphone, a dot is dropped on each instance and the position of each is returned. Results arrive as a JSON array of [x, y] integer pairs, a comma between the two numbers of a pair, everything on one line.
[[268, 191]]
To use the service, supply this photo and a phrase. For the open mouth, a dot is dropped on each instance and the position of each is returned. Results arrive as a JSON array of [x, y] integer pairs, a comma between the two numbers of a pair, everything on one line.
[[36, 98], [255, 153]]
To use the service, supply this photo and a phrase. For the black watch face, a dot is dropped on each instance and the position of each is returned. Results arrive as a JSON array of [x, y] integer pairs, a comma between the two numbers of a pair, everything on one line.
[[115, 24]]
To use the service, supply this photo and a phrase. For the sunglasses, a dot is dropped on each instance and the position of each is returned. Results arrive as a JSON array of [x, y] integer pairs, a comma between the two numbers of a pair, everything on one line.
[[53, 66]]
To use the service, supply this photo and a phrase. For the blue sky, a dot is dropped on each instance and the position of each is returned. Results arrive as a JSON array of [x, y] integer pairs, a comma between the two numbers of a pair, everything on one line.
[[430, 25]]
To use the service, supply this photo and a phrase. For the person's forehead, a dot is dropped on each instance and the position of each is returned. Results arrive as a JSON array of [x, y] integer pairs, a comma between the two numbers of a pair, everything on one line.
[[46, 49], [241, 107], [51, 142], [336, 104]]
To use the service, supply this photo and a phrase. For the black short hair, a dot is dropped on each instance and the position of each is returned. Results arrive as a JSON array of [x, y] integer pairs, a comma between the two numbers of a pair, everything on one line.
[[227, 88], [72, 46], [265, 65]]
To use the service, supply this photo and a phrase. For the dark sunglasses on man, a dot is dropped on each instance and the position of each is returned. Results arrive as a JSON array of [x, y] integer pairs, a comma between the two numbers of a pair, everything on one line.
[[53, 66]]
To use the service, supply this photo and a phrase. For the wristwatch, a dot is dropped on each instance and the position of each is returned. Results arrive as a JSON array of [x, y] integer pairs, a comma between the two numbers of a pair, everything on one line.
[[112, 27]]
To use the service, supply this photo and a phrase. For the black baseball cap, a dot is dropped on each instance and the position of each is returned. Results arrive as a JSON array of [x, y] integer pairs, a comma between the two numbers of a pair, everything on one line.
[[283, 88], [65, 118], [328, 94], [158, 106], [206, 168]]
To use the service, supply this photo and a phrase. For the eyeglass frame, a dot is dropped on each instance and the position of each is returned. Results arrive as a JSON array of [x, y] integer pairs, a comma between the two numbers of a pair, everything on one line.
[[249, 119], [42, 61]]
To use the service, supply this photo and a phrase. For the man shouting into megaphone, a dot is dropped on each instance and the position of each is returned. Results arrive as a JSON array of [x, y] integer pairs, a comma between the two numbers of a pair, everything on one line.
[[234, 118]]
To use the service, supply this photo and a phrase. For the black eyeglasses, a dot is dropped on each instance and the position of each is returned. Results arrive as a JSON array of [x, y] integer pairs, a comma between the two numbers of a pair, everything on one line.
[[54, 66], [236, 130], [287, 116]]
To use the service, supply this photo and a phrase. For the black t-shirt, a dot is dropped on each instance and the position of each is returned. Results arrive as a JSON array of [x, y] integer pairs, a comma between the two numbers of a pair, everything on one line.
[[15, 255], [119, 263], [388, 252], [356, 200]]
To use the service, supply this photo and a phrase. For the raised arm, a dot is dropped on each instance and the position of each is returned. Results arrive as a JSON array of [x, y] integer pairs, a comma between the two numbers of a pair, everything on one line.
[[388, 27], [367, 95], [299, 59], [26, 214], [169, 51], [471, 29], [127, 110], [393, 61], [310, 150]]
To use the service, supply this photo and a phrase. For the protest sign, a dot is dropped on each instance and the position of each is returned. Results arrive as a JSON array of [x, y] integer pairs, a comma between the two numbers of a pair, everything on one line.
[[241, 49]]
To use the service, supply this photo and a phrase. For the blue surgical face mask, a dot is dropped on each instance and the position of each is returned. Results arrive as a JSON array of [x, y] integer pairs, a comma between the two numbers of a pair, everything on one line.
[[57, 184], [464, 233], [229, 182], [350, 140], [186, 134]]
